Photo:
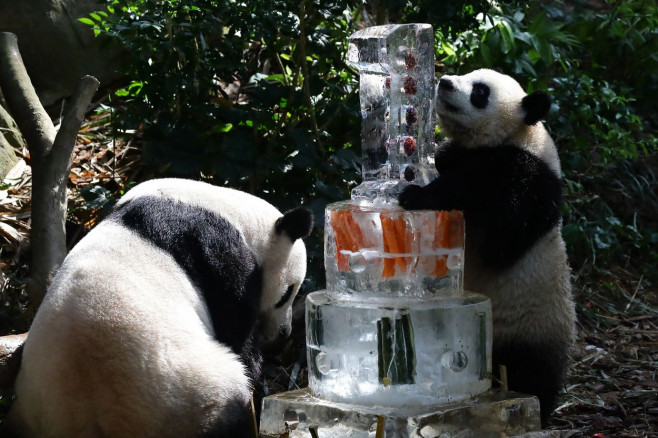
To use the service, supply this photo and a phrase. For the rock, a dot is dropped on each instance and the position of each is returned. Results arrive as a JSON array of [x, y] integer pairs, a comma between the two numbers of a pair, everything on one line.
[[8, 127], [10, 138], [7, 157], [56, 48]]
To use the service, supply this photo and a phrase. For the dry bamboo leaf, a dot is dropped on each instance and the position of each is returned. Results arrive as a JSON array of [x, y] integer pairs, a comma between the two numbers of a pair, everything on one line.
[[10, 232]]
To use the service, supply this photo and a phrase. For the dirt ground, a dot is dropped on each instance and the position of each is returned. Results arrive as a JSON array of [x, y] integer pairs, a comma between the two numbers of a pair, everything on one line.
[[612, 389]]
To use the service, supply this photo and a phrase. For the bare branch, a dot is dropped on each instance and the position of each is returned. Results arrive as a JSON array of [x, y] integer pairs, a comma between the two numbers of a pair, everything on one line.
[[50, 154], [74, 113], [22, 100]]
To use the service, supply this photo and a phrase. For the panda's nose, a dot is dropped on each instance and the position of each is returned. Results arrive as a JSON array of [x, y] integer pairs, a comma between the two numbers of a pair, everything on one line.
[[446, 84]]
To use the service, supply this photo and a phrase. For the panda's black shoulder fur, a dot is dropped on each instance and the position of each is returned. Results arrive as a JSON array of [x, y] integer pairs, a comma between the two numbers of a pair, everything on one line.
[[510, 198], [214, 256]]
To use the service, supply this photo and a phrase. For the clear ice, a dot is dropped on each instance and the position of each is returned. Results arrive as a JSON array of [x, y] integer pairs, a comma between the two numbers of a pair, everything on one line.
[[396, 68], [394, 338], [394, 325], [390, 252], [387, 352]]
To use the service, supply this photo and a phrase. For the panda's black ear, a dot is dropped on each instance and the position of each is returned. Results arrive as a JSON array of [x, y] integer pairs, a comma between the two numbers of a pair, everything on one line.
[[536, 105], [296, 223]]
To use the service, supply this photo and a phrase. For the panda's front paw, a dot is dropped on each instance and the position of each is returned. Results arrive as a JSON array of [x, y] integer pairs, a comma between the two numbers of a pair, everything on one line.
[[412, 198]]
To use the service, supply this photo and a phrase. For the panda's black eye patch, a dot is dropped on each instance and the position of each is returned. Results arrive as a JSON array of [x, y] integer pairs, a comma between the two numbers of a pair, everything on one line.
[[480, 95], [284, 299]]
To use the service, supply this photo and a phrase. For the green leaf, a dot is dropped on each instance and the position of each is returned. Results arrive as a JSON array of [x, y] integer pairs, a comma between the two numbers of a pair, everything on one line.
[[507, 37], [485, 52], [276, 77]]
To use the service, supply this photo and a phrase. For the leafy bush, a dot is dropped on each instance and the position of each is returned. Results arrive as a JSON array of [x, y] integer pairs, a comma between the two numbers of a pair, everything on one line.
[[238, 97], [601, 124], [254, 95]]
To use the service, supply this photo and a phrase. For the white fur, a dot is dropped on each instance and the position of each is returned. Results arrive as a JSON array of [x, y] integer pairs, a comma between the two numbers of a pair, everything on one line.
[[533, 297], [283, 263], [500, 122], [120, 352], [123, 345]]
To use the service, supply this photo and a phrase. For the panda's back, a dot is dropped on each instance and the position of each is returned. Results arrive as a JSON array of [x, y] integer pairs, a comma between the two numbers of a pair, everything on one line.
[[114, 331]]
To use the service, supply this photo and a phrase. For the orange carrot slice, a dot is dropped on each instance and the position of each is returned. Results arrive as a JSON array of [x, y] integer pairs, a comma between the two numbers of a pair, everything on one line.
[[390, 243], [353, 230], [397, 238], [389, 268], [449, 233], [401, 241], [341, 238], [456, 229], [442, 230], [441, 267]]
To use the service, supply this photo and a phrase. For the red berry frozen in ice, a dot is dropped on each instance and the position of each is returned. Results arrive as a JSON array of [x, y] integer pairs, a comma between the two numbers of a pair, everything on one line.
[[409, 146], [410, 86], [410, 60]]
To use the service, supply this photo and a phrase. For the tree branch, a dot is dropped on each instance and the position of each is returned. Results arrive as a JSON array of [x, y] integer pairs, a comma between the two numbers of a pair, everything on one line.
[[22, 100], [50, 154], [75, 109]]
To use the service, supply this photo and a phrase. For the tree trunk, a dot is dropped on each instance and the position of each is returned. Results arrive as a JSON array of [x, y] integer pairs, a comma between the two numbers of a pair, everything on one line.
[[50, 158]]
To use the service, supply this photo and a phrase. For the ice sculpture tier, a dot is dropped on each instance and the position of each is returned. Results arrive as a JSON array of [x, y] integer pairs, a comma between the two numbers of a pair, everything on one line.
[[388, 252], [395, 346], [396, 80], [394, 326]]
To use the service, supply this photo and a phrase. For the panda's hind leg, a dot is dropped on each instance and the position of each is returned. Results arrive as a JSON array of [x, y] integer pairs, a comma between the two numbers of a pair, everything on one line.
[[534, 368], [237, 422]]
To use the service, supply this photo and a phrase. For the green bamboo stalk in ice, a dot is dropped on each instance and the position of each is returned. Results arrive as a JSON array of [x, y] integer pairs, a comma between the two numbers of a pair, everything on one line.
[[396, 351]]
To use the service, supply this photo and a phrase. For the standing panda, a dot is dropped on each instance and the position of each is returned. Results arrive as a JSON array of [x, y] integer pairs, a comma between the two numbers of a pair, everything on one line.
[[501, 167], [150, 326]]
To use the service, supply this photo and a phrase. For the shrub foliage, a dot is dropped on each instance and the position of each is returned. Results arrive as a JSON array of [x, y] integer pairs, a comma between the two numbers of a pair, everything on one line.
[[257, 95]]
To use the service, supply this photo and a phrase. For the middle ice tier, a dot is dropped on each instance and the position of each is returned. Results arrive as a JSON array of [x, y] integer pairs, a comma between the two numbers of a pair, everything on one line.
[[397, 352], [388, 251]]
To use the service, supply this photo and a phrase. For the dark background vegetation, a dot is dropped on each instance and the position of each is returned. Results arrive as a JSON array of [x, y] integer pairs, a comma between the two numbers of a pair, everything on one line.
[[257, 95]]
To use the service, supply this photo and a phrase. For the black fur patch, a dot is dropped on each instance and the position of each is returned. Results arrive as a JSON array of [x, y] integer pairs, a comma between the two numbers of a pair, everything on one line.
[[236, 423], [286, 296], [9, 430], [446, 84], [536, 105], [480, 95], [214, 256], [296, 223], [539, 369], [510, 198]]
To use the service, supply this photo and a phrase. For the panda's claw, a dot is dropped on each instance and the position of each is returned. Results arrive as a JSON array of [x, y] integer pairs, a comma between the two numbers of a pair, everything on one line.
[[411, 198]]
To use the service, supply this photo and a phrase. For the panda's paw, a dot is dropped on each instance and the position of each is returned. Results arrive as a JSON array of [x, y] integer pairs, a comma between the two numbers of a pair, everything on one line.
[[412, 198]]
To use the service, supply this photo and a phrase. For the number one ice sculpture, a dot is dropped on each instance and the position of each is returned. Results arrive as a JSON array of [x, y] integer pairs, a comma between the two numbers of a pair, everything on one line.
[[395, 347]]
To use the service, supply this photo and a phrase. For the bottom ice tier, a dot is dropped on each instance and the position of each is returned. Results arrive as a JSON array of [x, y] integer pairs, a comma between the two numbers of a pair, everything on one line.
[[396, 352]]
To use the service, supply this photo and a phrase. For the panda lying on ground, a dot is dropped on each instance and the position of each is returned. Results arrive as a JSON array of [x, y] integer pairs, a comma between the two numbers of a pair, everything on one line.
[[501, 168], [150, 326]]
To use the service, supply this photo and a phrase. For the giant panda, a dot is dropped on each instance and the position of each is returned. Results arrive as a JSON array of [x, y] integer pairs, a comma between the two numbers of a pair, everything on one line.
[[152, 325], [501, 167]]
